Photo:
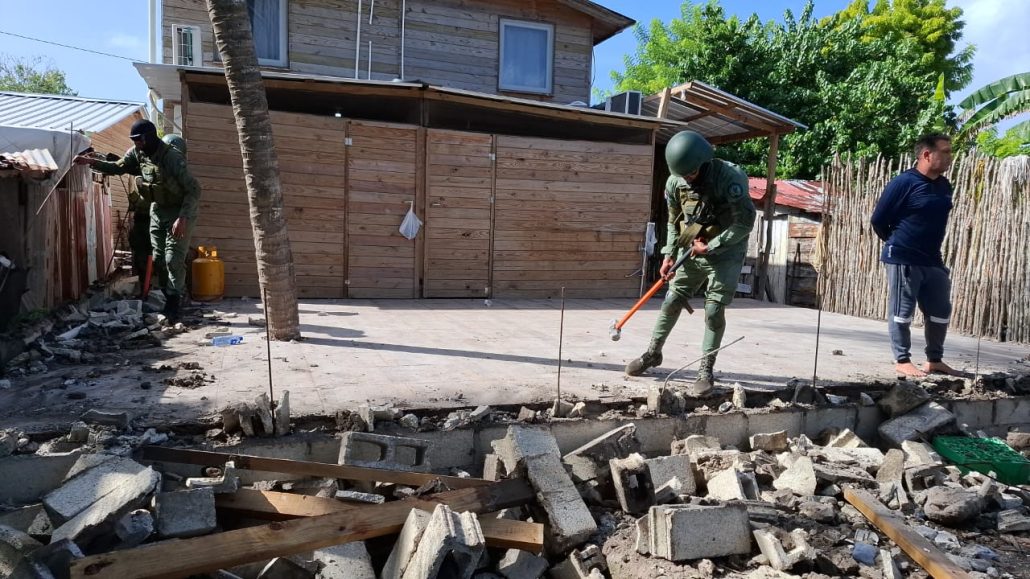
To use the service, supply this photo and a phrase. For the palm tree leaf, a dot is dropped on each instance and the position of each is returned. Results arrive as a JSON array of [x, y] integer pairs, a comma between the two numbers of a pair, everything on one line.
[[996, 89], [998, 110]]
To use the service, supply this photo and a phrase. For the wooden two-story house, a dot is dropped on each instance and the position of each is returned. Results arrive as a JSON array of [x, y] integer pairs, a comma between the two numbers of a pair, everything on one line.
[[470, 112]]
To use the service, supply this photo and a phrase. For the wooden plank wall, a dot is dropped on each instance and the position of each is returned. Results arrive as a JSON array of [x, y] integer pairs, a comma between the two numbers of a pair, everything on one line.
[[115, 139], [569, 213], [452, 43], [802, 277], [312, 165], [381, 182], [458, 214]]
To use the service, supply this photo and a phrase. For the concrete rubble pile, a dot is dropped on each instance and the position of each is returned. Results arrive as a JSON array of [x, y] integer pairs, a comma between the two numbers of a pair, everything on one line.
[[781, 505], [87, 332]]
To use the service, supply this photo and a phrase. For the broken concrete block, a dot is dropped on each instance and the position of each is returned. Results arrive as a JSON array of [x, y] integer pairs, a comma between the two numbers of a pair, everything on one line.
[[518, 564], [58, 557], [117, 419], [263, 413], [89, 486], [919, 454], [672, 477], [847, 439], [407, 542], [347, 561], [633, 485], [893, 467], [921, 478], [586, 563], [1018, 440], [889, 567], [579, 410], [283, 568], [282, 415], [770, 442], [358, 497], [687, 532], [799, 478], [779, 558], [448, 537], [534, 453], [841, 473], [662, 400], [184, 514], [79, 433], [493, 468], [1013, 520], [101, 516], [739, 397], [526, 415], [590, 461], [821, 512], [644, 535], [694, 443], [228, 482], [925, 420], [904, 397], [383, 452], [15, 549], [134, 527], [868, 459], [24, 519], [734, 485], [951, 506], [561, 408]]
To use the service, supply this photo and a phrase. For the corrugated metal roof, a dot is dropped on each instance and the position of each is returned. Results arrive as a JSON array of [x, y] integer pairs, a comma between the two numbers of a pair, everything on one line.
[[37, 163], [807, 196], [56, 112]]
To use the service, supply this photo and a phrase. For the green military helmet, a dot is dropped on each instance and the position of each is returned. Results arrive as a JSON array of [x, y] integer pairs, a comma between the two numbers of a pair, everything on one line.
[[176, 142], [686, 152]]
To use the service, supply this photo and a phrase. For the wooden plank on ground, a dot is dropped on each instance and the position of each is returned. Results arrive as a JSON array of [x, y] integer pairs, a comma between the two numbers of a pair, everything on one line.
[[922, 551], [185, 557], [247, 462], [276, 506]]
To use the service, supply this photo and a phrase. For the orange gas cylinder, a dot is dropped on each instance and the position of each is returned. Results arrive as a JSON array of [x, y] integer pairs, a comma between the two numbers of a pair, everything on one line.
[[208, 275]]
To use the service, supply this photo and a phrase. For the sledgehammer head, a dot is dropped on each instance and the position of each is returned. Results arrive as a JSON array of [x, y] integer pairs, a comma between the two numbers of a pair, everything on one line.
[[614, 331]]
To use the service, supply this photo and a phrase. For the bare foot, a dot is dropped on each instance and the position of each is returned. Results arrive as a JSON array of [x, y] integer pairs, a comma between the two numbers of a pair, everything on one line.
[[942, 368], [908, 370]]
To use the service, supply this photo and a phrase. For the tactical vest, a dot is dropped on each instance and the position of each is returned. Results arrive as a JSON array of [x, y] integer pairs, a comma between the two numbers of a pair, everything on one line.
[[694, 219], [156, 171]]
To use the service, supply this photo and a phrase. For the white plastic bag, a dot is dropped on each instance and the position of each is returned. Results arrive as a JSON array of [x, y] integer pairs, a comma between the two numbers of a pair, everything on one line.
[[650, 239], [411, 224]]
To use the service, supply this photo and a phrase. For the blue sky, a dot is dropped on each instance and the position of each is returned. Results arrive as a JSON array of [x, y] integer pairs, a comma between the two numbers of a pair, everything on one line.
[[997, 27]]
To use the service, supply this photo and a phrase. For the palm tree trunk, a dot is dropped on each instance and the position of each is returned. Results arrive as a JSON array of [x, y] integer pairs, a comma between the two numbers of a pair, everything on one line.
[[260, 165]]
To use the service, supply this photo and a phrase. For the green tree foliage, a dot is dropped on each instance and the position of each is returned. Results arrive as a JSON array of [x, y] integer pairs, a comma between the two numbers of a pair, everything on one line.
[[32, 75], [856, 92], [935, 28], [1015, 141]]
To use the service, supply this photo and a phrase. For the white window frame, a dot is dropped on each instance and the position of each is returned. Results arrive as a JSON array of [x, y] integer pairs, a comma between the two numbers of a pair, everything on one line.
[[549, 28], [284, 41], [177, 57]]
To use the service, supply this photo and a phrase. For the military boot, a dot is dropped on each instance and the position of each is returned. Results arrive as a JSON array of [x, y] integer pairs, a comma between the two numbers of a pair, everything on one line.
[[171, 311], [649, 359], [705, 380]]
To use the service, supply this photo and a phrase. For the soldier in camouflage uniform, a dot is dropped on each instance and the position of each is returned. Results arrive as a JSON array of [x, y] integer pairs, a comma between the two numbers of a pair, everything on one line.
[[163, 179], [712, 193]]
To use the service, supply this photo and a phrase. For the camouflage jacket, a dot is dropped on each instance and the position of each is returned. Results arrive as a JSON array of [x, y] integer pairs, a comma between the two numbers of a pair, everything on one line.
[[165, 178], [726, 208]]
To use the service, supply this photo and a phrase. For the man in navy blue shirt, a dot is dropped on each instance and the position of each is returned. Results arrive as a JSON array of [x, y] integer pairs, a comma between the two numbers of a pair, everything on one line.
[[911, 218]]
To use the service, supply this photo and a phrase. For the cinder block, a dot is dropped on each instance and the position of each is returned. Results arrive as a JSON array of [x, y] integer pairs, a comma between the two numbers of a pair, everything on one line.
[[228, 483], [799, 478], [407, 542], [644, 535], [789, 420], [1012, 411], [695, 443], [187, 513], [919, 454], [347, 561], [101, 516], [533, 452], [730, 428], [778, 557], [893, 468], [518, 564], [449, 537], [633, 485], [586, 563], [89, 486], [283, 568], [359, 497], [688, 532], [770, 441], [493, 468], [671, 477], [976, 414], [58, 557], [384, 452], [904, 397], [923, 421], [847, 439], [590, 461], [818, 420]]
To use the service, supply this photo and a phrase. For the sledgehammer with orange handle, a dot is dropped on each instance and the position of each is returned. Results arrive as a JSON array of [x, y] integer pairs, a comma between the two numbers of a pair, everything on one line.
[[616, 329]]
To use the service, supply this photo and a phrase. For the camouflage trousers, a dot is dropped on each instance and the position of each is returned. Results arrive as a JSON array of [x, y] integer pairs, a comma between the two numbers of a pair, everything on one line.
[[169, 252]]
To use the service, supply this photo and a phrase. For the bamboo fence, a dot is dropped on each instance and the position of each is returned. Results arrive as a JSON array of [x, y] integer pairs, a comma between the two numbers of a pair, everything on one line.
[[987, 246]]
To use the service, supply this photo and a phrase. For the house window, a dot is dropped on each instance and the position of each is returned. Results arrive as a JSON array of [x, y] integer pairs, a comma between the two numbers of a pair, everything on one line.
[[527, 56], [268, 22]]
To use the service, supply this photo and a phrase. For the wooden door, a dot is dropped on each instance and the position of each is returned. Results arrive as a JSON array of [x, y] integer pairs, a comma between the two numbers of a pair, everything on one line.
[[459, 184], [381, 185]]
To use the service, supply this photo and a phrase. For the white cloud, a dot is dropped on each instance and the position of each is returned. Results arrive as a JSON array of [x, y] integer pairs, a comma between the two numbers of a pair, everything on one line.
[[998, 29], [126, 41]]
